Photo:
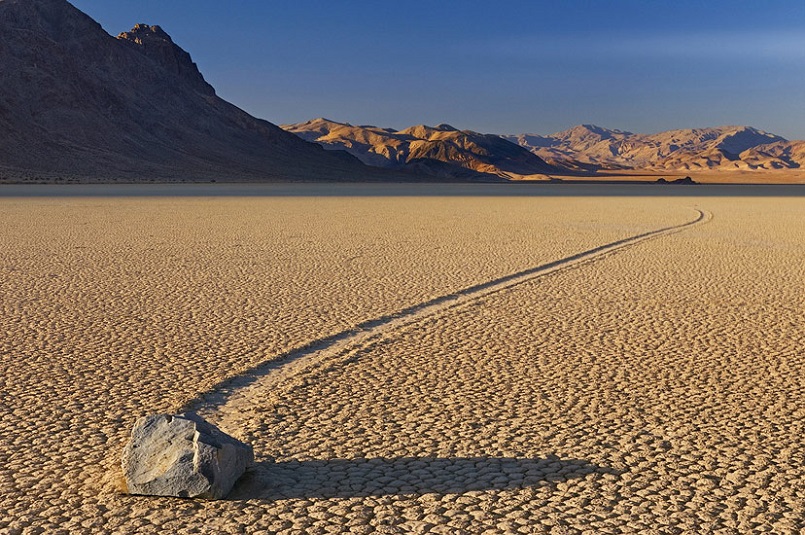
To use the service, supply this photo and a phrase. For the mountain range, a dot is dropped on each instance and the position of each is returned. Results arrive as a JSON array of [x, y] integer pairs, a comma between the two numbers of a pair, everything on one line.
[[79, 104], [439, 151], [591, 148], [581, 150]]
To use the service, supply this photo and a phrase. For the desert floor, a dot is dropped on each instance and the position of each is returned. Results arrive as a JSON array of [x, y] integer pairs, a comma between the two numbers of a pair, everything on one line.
[[642, 372], [787, 176]]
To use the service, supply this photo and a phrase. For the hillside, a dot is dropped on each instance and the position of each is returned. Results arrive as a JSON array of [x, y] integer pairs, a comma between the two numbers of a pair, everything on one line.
[[441, 151], [79, 104]]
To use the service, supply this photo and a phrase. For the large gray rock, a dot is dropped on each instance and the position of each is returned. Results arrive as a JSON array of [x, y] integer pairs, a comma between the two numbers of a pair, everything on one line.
[[184, 456]]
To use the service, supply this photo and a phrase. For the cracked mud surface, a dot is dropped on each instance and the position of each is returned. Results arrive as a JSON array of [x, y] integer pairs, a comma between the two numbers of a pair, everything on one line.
[[655, 389]]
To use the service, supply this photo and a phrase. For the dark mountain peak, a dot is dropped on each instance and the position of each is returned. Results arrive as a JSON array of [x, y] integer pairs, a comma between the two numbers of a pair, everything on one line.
[[76, 102], [57, 20], [155, 43], [444, 127], [143, 32], [736, 139]]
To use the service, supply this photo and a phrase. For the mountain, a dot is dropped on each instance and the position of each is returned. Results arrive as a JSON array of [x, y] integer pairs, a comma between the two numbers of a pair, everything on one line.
[[77, 102], [779, 155], [441, 151], [589, 148]]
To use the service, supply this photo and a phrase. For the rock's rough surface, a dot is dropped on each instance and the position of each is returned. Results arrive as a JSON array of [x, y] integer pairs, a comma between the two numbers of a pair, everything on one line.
[[184, 456]]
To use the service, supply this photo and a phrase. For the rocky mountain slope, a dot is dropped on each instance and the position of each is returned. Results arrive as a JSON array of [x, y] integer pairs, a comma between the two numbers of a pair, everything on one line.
[[441, 151], [77, 102], [779, 155], [581, 150], [590, 148]]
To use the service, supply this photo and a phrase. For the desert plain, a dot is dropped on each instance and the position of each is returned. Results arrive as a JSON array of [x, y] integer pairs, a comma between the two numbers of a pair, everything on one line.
[[497, 360]]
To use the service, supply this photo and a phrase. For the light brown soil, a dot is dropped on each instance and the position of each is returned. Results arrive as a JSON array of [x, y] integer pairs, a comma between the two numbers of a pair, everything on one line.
[[654, 387], [780, 176]]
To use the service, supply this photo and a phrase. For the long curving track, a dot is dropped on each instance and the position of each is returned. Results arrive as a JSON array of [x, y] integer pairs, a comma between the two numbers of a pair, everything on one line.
[[270, 375]]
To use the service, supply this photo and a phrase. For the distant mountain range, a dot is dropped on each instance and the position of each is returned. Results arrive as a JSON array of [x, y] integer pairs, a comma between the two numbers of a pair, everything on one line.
[[584, 149], [78, 103], [439, 151], [592, 148]]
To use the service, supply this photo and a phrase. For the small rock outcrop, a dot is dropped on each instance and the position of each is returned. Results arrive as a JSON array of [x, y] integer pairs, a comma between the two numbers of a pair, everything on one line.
[[183, 456], [679, 181]]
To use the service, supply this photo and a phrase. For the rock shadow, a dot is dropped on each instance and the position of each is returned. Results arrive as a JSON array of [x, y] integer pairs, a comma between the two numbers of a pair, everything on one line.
[[374, 477]]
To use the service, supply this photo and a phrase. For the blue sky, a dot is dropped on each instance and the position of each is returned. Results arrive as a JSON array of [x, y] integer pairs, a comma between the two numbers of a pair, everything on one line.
[[497, 67]]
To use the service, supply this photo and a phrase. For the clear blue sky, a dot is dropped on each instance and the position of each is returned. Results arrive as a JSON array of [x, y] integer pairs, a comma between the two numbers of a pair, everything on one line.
[[497, 67]]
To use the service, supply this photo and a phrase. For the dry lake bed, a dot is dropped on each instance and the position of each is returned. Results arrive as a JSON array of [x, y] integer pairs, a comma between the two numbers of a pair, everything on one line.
[[447, 359]]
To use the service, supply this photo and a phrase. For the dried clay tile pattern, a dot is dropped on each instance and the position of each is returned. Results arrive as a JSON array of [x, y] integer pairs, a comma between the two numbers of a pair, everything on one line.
[[655, 388]]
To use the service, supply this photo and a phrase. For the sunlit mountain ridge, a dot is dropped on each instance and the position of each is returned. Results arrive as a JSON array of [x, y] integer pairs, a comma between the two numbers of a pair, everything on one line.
[[582, 150], [442, 151], [592, 148]]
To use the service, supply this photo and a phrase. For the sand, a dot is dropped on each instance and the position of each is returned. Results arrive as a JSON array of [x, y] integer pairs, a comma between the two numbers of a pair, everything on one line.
[[651, 385], [721, 177]]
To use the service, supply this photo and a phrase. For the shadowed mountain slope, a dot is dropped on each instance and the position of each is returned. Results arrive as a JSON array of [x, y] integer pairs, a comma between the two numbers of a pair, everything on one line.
[[441, 151], [779, 155], [77, 102]]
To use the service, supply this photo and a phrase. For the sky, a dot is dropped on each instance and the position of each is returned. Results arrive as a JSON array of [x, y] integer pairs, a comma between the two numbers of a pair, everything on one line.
[[503, 67]]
